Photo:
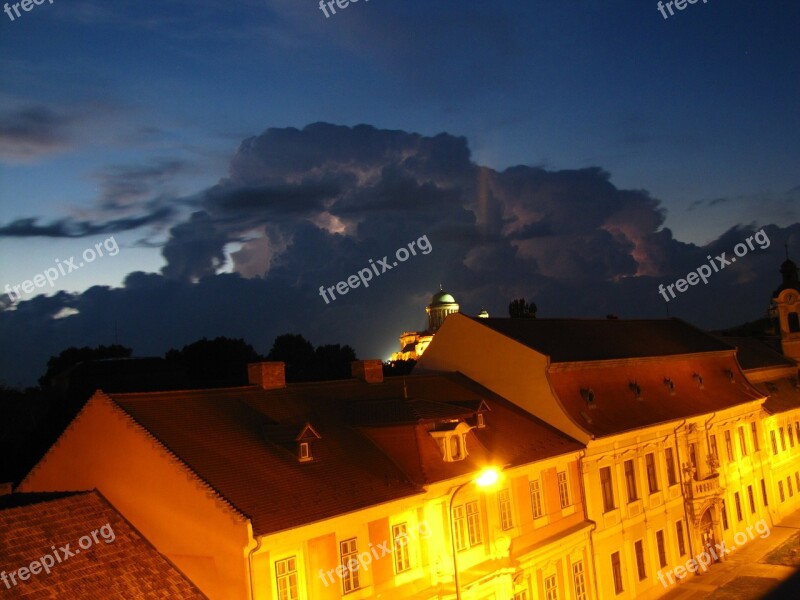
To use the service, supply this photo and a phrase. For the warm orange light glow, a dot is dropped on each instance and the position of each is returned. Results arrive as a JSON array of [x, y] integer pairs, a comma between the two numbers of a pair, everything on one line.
[[488, 477]]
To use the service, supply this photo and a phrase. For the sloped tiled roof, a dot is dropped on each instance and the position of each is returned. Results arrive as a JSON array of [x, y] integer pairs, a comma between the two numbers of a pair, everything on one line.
[[782, 394], [511, 436], [755, 354], [238, 440], [121, 565], [576, 340], [616, 407]]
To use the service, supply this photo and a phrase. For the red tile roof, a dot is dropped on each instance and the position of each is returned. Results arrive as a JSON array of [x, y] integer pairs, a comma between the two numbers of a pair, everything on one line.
[[782, 394], [120, 565], [755, 354], [511, 437], [616, 407], [241, 441]]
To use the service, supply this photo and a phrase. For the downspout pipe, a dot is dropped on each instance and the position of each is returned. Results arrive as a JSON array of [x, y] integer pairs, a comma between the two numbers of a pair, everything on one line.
[[250, 554], [594, 524], [689, 527]]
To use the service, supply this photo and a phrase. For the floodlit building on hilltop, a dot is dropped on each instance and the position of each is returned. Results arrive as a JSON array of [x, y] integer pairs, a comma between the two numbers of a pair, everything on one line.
[[414, 343]]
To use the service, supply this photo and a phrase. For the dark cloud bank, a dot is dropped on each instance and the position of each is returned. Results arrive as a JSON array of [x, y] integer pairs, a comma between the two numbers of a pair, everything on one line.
[[311, 207]]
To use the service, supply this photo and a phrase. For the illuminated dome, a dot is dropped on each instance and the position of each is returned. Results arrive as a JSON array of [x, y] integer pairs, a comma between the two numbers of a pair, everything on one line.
[[442, 304], [442, 297]]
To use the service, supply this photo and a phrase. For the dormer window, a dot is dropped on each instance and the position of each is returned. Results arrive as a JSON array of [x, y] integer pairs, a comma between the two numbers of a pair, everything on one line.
[[451, 437], [481, 421], [304, 442], [305, 452]]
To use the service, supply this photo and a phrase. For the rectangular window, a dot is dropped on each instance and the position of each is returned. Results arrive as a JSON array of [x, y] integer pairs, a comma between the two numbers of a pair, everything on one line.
[[789, 485], [349, 555], [713, 444], [504, 499], [474, 524], [522, 595], [286, 578], [797, 479], [672, 477], [681, 542], [728, 445], [742, 442], [640, 559], [652, 478], [724, 512], [764, 492], [579, 580], [797, 428], [563, 489], [774, 443], [402, 560], [662, 551], [630, 481], [460, 527], [616, 569], [783, 439], [780, 491], [550, 588], [754, 431], [693, 459], [752, 498], [536, 499], [790, 431], [738, 503], [607, 489]]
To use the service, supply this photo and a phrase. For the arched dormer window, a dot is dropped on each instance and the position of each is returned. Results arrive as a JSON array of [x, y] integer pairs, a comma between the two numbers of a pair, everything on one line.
[[451, 437]]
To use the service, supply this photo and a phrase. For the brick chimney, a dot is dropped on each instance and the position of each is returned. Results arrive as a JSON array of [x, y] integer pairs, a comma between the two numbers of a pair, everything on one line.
[[370, 371], [267, 375]]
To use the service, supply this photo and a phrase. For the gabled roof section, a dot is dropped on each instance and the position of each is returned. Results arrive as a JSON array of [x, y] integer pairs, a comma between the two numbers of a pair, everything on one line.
[[308, 433], [755, 354], [641, 393], [120, 564], [782, 394], [580, 340], [242, 442], [373, 444]]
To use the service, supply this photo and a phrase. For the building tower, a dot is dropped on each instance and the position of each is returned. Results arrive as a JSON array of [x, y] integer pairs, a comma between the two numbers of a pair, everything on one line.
[[442, 304], [786, 308]]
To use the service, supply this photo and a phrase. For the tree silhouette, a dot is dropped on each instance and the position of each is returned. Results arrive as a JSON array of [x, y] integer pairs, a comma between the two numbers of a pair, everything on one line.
[[215, 363], [519, 309], [72, 356], [303, 363]]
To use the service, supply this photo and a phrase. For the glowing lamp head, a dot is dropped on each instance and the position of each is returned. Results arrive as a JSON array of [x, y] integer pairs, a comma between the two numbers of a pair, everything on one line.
[[488, 477]]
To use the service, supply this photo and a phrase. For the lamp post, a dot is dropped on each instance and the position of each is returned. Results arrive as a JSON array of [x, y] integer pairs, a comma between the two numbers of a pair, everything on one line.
[[487, 478]]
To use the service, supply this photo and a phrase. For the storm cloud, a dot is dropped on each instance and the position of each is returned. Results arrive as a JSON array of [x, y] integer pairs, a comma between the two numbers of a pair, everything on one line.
[[304, 208]]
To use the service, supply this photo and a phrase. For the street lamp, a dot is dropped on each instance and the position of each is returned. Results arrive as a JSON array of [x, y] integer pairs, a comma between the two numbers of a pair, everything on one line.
[[487, 478]]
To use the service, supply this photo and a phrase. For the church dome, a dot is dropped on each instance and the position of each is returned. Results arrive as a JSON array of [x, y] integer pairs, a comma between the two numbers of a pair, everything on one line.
[[442, 297]]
